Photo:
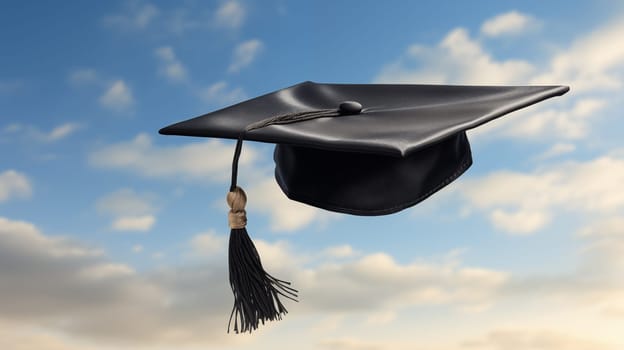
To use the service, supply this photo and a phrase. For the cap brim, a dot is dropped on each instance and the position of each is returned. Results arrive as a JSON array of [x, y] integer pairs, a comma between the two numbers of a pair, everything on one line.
[[395, 120]]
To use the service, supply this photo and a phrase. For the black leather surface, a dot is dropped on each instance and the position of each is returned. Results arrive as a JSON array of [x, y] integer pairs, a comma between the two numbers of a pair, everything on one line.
[[407, 142], [365, 184], [395, 120]]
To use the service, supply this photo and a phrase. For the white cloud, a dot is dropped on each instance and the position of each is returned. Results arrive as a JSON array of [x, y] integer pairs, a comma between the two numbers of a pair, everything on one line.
[[520, 222], [14, 184], [524, 202], [33, 133], [104, 271], [23, 337], [130, 211], [377, 282], [613, 226], [209, 161], [170, 66], [381, 318], [187, 19], [244, 54], [340, 251], [126, 201], [266, 197], [117, 97], [134, 223], [26, 239], [62, 131], [592, 63], [556, 150], [508, 23], [137, 248], [456, 59], [220, 93], [135, 16], [201, 160], [115, 94], [525, 339], [48, 280], [12, 128], [602, 260], [347, 343], [142, 16], [10, 86], [83, 76], [569, 123], [208, 243], [230, 14]]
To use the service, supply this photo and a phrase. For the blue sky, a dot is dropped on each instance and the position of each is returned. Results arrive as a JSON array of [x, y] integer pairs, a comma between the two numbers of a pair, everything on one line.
[[112, 236]]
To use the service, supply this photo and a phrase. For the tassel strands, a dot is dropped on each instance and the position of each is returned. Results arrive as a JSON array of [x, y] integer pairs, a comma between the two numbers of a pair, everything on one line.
[[256, 293]]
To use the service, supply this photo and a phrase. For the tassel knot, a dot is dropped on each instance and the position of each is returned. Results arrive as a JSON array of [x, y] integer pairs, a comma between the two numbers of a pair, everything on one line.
[[237, 199]]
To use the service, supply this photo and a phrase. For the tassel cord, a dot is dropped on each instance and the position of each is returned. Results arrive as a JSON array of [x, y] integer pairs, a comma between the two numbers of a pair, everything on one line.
[[237, 153], [280, 119], [256, 293]]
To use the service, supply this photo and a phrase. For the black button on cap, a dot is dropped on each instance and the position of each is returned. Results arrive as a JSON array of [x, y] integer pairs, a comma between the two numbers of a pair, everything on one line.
[[349, 108]]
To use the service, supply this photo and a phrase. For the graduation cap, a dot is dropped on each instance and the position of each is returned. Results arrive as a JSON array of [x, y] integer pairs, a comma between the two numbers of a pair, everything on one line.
[[361, 149]]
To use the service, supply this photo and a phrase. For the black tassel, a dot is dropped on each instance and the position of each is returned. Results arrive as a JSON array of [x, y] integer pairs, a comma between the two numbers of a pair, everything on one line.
[[256, 293]]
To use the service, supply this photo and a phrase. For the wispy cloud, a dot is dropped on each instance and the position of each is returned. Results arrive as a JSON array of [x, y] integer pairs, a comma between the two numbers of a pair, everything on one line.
[[509, 23], [141, 223], [83, 76], [208, 243], [48, 279], [110, 300], [145, 17], [135, 15], [130, 211], [534, 339], [566, 120], [206, 160], [126, 201], [183, 20], [170, 67], [33, 133], [209, 161], [458, 58], [221, 94], [14, 184], [62, 131], [592, 63], [10, 86], [117, 97], [556, 150], [340, 251], [286, 215], [244, 54], [231, 14], [523, 203], [613, 226]]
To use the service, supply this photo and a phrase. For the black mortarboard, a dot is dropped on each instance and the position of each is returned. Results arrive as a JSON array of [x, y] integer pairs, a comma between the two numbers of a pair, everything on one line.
[[363, 149]]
